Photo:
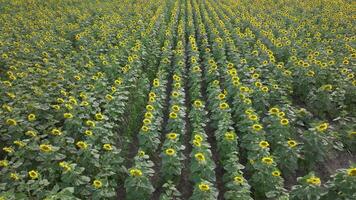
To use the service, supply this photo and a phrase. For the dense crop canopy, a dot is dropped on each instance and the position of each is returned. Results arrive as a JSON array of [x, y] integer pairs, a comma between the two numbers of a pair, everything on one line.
[[177, 99]]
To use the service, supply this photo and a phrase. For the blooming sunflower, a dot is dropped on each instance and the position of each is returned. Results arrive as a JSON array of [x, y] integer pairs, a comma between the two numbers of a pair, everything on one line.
[[97, 184], [199, 157], [204, 187], [267, 160], [170, 152]]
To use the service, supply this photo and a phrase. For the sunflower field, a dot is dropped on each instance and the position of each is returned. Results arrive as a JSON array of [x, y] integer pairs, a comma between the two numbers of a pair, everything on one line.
[[177, 100]]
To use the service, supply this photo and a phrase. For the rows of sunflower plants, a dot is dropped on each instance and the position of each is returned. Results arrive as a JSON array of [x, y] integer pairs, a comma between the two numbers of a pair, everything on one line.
[[235, 185], [316, 59], [64, 95], [138, 184], [281, 143], [305, 65], [340, 186], [261, 163], [172, 149], [311, 140], [315, 146], [284, 103], [319, 67], [177, 99], [280, 138], [202, 165]]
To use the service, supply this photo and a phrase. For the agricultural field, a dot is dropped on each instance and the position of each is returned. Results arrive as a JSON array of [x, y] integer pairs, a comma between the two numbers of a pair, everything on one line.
[[177, 100]]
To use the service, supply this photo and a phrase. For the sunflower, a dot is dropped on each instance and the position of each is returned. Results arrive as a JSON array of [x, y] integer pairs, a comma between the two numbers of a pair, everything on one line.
[[232, 72], [148, 115], [31, 117], [176, 77], [238, 179], [253, 117], [149, 107], [141, 153], [81, 145], [56, 132], [351, 171], [196, 69], [267, 160], [230, 65], [175, 94], [11, 122], [264, 89], [73, 101], [257, 127], [97, 184], [199, 157], [310, 73], [66, 167], [204, 187], [68, 115], [135, 172], [45, 148], [173, 115], [172, 136], [244, 89], [314, 181], [198, 137], [258, 84], [14, 176], [31, 133], [108, 97], [221, 96], [223, 106], [281, 114], [146, 121], [287, 73], [4, 163], [8, 149], [175, 108], [152, 94], [84, 103], [90, 123], [322, 127], [284, 122], [60, 100], [19, 143], [170, 152], [88, 132], [198, 104], [33, 174], [118, 81], [248, 111], [196, 143], [263, 144], [327, 87], [68, 106], [7, 108], [276, 173], [292, 143], [145, 128], [255, 75], [107, 147], [236, 83], [99, 116], [230, 136], [273, 111]]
